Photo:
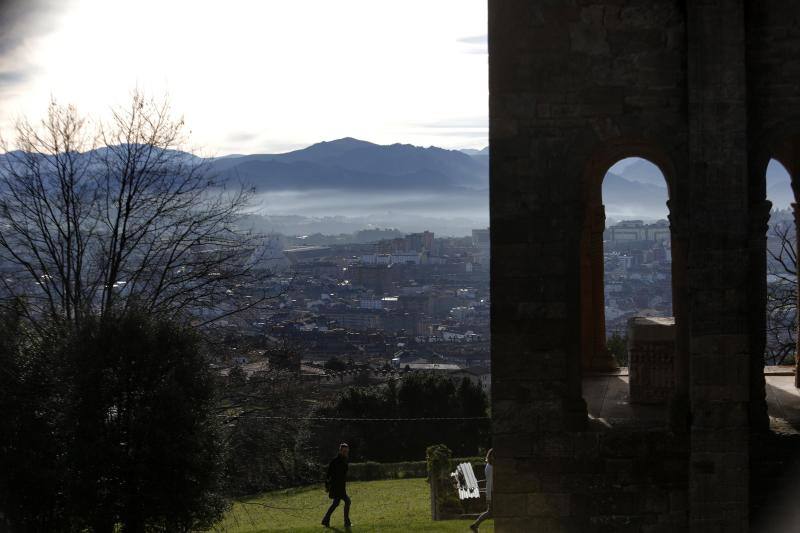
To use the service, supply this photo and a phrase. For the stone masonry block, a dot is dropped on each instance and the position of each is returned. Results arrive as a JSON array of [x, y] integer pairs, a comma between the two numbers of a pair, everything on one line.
[[547, 505]]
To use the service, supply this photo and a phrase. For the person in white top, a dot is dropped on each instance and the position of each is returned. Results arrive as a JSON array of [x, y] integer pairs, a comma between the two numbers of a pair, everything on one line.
[[488, 512]]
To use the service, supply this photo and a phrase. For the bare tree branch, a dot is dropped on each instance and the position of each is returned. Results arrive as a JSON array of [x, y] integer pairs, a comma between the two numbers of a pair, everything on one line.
[[781, 323], [98, 218]]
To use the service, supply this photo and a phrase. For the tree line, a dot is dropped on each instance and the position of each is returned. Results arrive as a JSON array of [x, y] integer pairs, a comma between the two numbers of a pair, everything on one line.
[[415, 396]]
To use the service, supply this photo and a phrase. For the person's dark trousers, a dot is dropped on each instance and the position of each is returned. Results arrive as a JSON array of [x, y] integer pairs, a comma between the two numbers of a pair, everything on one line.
[[333, 507]]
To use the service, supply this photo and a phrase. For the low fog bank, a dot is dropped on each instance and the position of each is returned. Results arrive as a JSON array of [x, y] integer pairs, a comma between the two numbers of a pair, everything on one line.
[[615, 213], [452, 213]]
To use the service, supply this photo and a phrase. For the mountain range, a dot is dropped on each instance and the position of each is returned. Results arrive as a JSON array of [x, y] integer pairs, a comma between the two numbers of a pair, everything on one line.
[[628, 198], [351, 177], [351, 164]]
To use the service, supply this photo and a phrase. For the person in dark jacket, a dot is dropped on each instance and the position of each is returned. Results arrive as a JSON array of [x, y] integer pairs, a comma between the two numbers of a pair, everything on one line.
[[335, 483]]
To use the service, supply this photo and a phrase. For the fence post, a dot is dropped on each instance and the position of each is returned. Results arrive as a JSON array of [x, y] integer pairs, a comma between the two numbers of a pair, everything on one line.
[[439, 464]]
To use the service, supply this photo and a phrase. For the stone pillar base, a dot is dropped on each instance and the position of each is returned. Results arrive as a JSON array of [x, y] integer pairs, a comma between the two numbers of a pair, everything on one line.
[[651, 352]]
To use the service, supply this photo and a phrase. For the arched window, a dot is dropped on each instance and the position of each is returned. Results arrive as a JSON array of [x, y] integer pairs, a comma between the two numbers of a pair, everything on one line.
[[637, 253], [626, 285], [781, 313]]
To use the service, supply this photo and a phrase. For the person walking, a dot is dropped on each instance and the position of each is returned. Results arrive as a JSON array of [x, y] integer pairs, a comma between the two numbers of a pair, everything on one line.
[[488, 512], [335, 484]]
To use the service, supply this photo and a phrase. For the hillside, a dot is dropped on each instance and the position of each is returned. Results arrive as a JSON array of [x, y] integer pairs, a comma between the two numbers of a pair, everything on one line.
[[390, 506]]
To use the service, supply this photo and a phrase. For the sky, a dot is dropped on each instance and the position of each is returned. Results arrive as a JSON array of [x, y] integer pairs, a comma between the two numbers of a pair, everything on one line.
[[258, 76]]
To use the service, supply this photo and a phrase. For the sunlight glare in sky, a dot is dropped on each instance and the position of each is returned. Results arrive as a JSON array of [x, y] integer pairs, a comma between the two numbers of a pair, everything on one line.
[[272, 75]]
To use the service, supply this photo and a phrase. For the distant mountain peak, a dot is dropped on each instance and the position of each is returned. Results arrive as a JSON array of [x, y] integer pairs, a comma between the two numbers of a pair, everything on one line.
[[474, 152], [350, 163], [344, 141]]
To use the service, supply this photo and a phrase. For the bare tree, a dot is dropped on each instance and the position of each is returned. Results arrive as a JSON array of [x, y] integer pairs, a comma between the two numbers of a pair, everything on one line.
[[781, 295], [267, 416], [98, 217]]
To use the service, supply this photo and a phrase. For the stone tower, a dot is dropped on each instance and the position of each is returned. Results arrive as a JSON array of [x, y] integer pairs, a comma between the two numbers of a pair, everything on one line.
[[709, 91]]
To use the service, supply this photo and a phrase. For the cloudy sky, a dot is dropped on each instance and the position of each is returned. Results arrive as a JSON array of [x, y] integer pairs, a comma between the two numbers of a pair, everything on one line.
[[258, 76]]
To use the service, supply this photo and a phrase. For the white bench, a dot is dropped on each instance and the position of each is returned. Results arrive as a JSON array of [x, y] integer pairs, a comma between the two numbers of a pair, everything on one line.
[[465, 481]]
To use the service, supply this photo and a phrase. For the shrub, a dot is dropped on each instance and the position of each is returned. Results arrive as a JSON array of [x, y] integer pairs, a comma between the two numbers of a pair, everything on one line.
[[123, 431]]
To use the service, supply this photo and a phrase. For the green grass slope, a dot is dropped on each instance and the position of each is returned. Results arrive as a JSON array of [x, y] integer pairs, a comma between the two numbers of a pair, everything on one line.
[[390, 506]]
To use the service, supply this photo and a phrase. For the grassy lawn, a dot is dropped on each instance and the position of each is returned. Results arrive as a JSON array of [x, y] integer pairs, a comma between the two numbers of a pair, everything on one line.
[[393, 506]]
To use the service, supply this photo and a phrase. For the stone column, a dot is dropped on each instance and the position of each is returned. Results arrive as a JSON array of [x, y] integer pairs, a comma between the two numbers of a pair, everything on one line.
[[796, 209], [587, 309], [679, 414], [718, 266], [595, 356], [759, 220]]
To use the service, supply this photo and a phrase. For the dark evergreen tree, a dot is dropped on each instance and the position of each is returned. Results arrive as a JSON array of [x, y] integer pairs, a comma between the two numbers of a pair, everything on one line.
[[110, 425], [145, 450], [32, 437], [618, 346]]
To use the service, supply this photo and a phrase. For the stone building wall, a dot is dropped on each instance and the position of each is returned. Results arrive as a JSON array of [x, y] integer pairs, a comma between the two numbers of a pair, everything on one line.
[[697, 88], [601, 481]]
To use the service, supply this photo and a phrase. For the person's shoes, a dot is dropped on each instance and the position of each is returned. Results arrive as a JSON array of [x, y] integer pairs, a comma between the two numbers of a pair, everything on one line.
[[473, 527], [348, 524], [326, 523]]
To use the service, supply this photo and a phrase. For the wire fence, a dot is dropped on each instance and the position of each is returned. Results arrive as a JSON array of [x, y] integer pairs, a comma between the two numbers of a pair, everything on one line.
[[348, 419]]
